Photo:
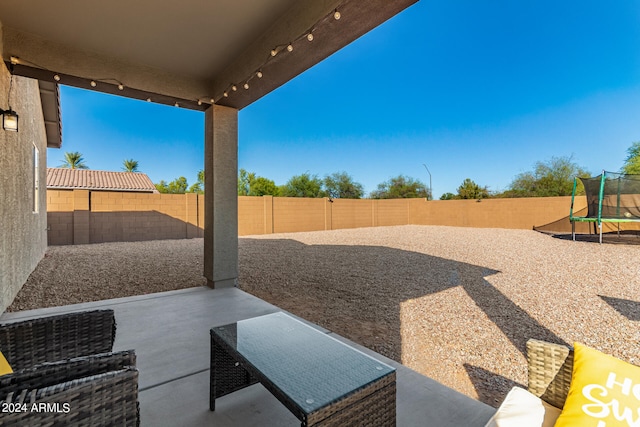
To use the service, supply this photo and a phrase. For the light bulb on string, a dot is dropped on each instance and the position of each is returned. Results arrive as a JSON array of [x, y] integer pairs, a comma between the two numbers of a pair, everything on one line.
[[93, 83], [121, 86], [56, 77], [279, 48]]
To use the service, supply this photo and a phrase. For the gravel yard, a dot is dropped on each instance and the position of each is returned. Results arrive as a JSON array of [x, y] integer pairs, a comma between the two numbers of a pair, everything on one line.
[[456, 304]]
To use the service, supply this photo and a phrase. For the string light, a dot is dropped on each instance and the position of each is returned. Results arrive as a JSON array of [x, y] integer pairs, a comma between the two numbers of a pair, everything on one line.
[[93, 82], [335, 15]]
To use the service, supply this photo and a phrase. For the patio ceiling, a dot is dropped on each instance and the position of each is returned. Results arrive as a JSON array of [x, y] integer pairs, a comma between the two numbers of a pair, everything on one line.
[[184, 52]]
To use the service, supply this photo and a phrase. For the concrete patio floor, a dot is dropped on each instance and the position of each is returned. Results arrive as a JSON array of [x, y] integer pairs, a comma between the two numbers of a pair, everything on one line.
[[170, 334]]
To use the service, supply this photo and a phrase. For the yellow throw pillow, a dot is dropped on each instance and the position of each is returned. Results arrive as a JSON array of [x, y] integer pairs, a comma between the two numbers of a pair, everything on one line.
[[5, 368], [604, 391]]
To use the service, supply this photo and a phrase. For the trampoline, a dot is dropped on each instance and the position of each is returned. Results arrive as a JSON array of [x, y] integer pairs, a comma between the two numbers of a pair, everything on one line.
[[611, 197]]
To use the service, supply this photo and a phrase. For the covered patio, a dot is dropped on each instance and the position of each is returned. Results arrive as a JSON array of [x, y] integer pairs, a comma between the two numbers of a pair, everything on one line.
[[217, 57], [170, 334]]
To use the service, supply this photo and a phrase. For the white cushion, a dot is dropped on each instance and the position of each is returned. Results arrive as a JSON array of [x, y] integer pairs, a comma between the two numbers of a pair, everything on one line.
[[522, 409]]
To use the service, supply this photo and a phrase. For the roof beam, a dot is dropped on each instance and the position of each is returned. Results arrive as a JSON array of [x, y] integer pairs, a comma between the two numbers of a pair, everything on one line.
[[43, 59], [54, 61], [50, 101]]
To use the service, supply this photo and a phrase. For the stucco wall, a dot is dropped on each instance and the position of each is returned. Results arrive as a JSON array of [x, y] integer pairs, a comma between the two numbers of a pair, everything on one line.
[[294, 214], [523, 213], [23, 235], [82, 216]]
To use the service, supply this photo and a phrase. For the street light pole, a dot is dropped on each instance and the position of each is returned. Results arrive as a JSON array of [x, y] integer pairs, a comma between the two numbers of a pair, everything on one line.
[[430, 187]]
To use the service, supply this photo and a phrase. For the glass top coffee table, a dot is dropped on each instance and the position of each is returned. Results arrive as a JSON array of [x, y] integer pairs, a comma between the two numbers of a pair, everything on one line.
[[321, 380]]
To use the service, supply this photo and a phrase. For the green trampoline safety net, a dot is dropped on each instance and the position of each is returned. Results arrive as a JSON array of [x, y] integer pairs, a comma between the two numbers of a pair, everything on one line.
[[611, 197]]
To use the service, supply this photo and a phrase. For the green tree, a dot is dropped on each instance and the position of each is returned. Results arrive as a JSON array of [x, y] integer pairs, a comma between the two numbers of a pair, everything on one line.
[[448, 196], [632, 162], [400, 187], [305, 185], [73, 160], [177, 186], [198, 186], [130, 165], [471, 190], [340, 185], [263, 187], [249, 184], [551, 178], [162, 186], [244, 182]]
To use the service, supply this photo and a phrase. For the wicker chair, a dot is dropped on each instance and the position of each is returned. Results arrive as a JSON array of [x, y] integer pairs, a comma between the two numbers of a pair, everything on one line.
[[550, 368], [48, 339], [65, 372]]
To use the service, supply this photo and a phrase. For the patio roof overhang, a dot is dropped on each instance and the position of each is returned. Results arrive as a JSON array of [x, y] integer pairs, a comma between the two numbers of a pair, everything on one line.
[[187, 52]]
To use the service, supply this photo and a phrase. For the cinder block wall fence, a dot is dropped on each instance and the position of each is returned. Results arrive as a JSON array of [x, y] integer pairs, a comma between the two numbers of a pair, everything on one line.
[[81, 216]]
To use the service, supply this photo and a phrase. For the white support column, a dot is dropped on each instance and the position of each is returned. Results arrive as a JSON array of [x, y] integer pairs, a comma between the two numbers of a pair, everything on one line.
[[221, 197]]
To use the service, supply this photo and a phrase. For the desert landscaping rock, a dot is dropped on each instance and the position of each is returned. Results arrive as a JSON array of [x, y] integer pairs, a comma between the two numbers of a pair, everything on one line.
[[456, 304]]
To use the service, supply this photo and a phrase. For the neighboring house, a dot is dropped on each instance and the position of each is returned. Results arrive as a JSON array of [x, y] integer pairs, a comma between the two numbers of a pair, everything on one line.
[[94, 180], [90, 206]]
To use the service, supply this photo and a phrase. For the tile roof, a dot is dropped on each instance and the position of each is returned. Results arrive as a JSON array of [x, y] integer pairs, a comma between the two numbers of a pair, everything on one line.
[[87, 179]]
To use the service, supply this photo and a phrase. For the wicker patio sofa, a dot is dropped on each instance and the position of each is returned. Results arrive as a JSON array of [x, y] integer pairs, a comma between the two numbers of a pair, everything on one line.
[[65, 372], [550, 368]]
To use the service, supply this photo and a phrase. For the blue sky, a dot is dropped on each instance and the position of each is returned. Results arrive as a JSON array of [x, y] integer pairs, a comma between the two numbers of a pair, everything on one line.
[[478, 90]]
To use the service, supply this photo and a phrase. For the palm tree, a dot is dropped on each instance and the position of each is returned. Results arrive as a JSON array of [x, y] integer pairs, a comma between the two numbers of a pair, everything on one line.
[[130, 165], [73, 160]]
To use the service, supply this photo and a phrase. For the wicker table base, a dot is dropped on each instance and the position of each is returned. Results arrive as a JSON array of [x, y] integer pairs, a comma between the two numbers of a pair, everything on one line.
[[372, 403]]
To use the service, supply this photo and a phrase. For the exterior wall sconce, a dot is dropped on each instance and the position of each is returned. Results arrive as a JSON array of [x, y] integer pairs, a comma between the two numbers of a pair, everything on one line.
[[10, 117], [9, 120]]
